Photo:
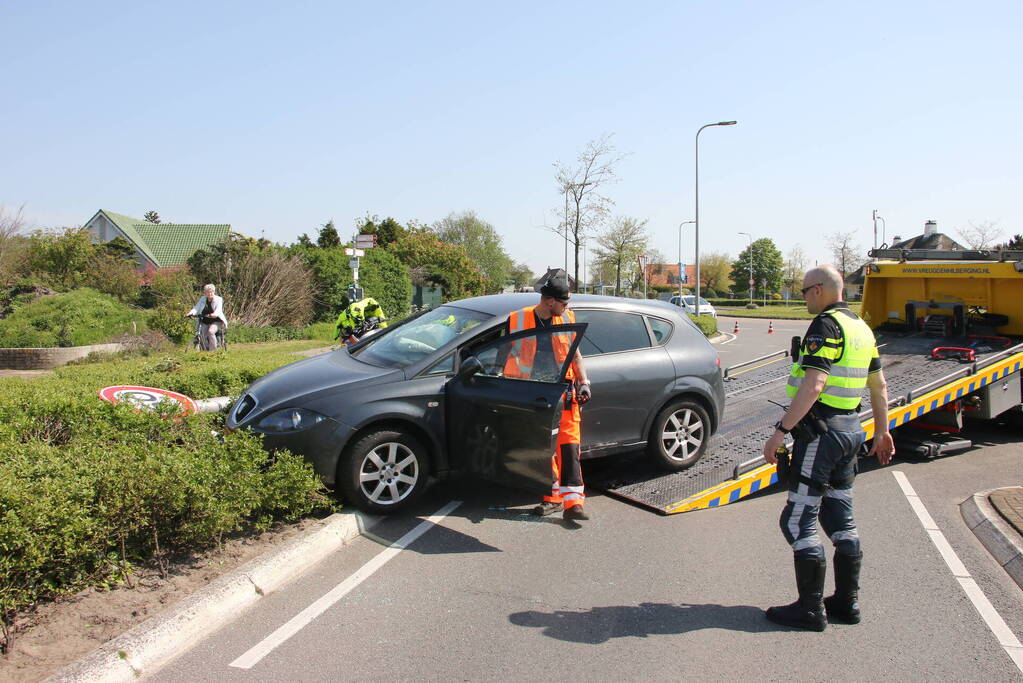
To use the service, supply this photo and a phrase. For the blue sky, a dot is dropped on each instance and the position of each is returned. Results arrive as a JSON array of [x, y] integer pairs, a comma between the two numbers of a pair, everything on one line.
[[276, 117]]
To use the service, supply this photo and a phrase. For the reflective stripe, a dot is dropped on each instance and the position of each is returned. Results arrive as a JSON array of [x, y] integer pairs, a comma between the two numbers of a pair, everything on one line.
[[809, 459], [850, 535], [846, 371], [811, 541], [839, 494], [844, 392], [804, 499]]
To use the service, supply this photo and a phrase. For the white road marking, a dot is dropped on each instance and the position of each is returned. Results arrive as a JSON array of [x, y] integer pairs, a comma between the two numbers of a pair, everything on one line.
[[1006, 638], [300, 620]]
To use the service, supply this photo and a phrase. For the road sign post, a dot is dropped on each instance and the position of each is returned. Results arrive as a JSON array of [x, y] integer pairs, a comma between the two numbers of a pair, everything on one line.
[[360, 244]]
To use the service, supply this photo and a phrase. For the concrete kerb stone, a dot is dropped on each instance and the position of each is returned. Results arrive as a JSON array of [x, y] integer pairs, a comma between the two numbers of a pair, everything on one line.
[[995, 533], [148, 646]]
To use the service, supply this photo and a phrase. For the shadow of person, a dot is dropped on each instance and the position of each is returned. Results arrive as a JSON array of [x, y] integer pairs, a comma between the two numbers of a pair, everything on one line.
[[601, 624]]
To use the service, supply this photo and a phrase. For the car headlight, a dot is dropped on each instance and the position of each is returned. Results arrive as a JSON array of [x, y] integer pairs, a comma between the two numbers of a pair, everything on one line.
[[289, 420]]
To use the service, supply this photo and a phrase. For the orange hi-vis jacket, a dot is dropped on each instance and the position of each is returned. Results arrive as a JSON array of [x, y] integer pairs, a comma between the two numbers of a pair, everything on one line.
[[520, 363]]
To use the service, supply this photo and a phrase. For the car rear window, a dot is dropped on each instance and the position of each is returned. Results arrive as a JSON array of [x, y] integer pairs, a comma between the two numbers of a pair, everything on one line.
[[612, 331], [661, 329]]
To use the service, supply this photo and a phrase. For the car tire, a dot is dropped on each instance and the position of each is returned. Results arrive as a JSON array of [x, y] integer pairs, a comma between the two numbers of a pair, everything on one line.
[[384, 471], [679, 435]]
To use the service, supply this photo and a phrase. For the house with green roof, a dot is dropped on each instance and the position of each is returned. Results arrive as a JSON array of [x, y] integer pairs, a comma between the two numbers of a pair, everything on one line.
[[157, 245]]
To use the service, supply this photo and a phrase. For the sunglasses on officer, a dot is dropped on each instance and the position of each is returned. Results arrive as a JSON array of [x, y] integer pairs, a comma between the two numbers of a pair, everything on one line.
[[806, 289]]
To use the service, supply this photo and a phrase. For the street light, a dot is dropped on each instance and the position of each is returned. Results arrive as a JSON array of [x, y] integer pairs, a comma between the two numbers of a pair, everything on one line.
[[750, 265], [681, 274], [884, 229], [697, 197]]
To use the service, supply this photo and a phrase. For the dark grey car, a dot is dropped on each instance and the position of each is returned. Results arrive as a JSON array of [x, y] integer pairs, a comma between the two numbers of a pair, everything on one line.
[[429, 396]]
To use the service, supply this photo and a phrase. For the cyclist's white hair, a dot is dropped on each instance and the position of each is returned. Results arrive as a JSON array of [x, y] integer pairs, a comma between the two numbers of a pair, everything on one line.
[[210, 286]]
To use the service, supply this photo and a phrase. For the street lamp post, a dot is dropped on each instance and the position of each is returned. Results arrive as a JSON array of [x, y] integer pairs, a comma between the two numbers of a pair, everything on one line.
[[697, 198], [750, 265], [681, 273], [884, 229]]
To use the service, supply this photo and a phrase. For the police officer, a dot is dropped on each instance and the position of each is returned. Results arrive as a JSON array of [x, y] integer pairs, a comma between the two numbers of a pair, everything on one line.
[[544, 359], [838, 360]]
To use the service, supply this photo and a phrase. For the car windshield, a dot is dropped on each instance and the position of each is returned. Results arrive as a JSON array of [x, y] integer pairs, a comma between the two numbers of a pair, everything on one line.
[[691, 300], [418, 338]]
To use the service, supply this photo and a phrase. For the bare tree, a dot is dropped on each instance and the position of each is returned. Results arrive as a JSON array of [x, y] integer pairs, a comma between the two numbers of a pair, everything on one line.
[[586, 207], [845, 251], [980, 236], [619, 246], [795, 267], [13, 244]]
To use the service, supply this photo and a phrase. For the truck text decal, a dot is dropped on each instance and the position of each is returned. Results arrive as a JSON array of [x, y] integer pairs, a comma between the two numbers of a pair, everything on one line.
[[962, 269]]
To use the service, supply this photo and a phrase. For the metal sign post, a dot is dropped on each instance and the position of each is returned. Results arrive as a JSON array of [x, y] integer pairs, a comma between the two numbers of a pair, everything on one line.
[[361, 242]]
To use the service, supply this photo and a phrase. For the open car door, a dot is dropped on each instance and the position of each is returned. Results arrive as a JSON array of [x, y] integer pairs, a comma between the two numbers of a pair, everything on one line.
[[503, 425]]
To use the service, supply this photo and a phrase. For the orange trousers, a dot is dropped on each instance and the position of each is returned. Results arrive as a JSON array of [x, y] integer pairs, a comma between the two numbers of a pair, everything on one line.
[[565, 466]]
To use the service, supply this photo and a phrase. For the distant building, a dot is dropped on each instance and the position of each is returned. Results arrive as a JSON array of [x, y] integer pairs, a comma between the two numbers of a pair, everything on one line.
[[931, 239], [666, 275], [157, 245]]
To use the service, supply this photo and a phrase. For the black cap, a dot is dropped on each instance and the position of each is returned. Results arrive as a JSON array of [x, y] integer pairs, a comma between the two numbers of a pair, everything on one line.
[[553, 283]]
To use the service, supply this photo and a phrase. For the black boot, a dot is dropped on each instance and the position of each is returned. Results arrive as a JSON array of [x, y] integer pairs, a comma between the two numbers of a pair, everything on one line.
[[843, 605], [808, 611]]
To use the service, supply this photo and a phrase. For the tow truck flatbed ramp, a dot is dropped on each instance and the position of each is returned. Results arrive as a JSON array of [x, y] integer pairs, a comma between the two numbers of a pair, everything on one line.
[[734, 468]]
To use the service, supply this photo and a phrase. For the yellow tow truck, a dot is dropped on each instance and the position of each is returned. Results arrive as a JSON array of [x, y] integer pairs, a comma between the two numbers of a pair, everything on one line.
[[949, 325]]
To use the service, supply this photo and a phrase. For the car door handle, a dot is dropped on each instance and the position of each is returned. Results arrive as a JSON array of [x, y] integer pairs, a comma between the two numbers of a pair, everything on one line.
[[541, 403]]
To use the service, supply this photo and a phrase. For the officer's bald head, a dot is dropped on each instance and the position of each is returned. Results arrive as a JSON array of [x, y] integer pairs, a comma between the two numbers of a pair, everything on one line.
[[822, 287]]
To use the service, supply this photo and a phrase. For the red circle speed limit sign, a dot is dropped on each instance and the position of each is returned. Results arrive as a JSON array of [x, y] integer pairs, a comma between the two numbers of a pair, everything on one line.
[[147, 398]]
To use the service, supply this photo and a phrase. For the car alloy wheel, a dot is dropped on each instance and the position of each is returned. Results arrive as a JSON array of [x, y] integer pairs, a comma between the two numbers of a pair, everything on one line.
[[383, 471], [679, 435]]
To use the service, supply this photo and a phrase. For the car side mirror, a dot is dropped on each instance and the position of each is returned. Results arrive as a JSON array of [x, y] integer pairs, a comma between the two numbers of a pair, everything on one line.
[[469, 367]]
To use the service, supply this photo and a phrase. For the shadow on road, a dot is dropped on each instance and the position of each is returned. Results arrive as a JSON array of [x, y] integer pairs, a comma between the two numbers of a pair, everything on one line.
[[601, 624]]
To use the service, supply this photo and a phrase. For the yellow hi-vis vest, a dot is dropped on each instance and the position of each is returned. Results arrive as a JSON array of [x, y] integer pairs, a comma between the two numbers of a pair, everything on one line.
[[850, 358]]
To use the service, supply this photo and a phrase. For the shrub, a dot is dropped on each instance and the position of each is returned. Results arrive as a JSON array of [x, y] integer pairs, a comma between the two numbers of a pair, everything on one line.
[[80, 317], [171, 321], [707, 324], [89, 489]]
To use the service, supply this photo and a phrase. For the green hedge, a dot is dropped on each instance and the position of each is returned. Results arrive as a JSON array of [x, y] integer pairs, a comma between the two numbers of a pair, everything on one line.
[[707, 324], [89, 489], [78, 318]]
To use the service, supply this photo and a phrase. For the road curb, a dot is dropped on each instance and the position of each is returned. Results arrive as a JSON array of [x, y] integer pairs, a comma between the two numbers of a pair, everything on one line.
[[995, 533], [148, 646]]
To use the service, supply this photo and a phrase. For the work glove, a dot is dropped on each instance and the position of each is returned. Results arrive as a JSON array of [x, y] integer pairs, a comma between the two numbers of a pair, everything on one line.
[[583, 394]]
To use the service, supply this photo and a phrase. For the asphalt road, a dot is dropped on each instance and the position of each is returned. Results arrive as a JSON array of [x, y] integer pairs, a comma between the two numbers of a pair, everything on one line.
[[491, 593]]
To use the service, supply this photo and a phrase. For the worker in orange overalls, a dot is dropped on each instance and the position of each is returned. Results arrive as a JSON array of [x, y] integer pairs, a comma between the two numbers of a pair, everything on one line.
[[533, 360]]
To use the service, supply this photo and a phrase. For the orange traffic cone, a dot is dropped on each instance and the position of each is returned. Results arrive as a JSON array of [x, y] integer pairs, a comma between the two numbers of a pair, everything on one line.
[[770, 327], [736, 330]]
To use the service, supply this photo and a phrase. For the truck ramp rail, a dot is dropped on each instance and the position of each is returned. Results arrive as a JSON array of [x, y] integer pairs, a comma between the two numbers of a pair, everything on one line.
[[733, 466]]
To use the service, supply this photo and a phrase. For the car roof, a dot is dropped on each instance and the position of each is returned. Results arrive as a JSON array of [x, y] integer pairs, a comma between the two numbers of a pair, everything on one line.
[[502, 304]]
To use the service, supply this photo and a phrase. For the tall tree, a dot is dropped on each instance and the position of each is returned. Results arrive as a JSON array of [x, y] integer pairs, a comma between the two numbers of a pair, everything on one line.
[[581, 185], [151, 216], [715, 271], [13, 245], [981, 235], [521, 275], [440, 263], [619, 245], [481, 241], [845, 251], [328, 237], [388, 230], [767, 265]]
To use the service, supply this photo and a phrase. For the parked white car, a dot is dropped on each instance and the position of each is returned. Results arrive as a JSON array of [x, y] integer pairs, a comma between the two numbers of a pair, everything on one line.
[[688, 304]]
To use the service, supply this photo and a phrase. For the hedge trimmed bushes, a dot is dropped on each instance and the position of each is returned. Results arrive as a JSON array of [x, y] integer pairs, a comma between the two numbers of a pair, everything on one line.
[[78, 318], [89, 489]]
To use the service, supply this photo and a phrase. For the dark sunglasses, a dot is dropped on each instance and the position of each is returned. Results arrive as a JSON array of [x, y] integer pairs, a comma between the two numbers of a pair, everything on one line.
[[806, 289]]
